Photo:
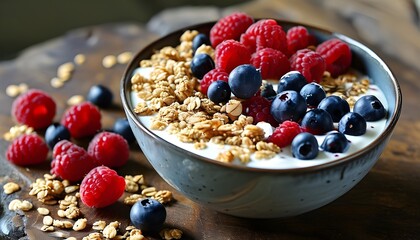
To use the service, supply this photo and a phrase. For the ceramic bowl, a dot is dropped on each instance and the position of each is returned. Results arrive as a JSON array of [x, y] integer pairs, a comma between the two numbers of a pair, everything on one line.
[[263, 193]]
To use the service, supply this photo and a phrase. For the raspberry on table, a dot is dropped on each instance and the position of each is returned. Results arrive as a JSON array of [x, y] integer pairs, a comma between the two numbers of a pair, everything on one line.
[[283, 135], [272, 63], [109, 149], [212, 76], [70, 161], [82, 120], [230, 27], [298, 38], [101, 187], [230, 54], [337, 55], [258, 108], [265, 33], [34, 108], [26, 150], [310, 63]]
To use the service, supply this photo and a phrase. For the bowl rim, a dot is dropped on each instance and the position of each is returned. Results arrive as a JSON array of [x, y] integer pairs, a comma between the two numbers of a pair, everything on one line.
[[125, 98]]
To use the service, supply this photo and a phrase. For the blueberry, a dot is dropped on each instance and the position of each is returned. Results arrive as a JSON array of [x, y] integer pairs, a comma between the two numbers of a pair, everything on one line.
[[201, 64], [199, 40], [335, 142], [370, 108], [100, 95], [335, 106], [219, 91], [313, 94], [305, 146], [317, 121], [55, 133], [352, 124], [288, 105], [244, 81], [148, 215], [267, 91], [122, 127], [292, 80]]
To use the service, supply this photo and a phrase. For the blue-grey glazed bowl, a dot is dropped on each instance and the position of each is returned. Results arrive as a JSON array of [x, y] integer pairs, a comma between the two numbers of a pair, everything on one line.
[[263, 193]]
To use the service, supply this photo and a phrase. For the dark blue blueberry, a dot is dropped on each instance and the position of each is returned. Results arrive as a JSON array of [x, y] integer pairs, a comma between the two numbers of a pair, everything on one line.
[[370, 108], [313, 94], [292, 80], [201, 64], [352, 124], [288, 105], [244, 81], [122, 127], [335, 142], [305, 146], [148, 215], [335, 106], [100, 95], [267, 91], [55, 133], [199, 40], [219, 91], [317, 121]]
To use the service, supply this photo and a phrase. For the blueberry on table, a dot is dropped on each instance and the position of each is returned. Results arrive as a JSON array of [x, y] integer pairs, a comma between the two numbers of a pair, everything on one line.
[[219, 92], [122, 127], [267, 90], [292, 80], [370, 108], [201, 64], [352, 124], [244, 81], [55, 133], [335, 142], [100, 95], [288, 105], [199, 40], [148, 215], [335, 106], [317, 121], [313, 94], [305, 146]]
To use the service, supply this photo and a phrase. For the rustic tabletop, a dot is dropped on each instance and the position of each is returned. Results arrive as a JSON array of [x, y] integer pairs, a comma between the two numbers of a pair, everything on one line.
[[384, 205]]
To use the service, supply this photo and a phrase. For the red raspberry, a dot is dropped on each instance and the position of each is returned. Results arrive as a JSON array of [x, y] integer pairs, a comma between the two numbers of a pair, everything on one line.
[[82, 120], [272, 63], [337, 55], [297, 38], [212, 76], [70, 161], [230, 54], [283, 135], [230, 27], [34, 108], [101, 187], [311, 64], [28, 149], [265, 34], [258, 108], [109, 149]]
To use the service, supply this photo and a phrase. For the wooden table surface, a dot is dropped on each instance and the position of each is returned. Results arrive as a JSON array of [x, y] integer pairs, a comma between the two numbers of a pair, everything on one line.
[[384, 205]]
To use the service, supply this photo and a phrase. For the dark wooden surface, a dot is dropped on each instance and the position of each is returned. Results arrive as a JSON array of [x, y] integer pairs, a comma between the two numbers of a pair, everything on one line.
[[384, 205]]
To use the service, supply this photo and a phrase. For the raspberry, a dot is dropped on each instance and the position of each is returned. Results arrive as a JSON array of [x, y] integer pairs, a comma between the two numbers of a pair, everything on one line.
[[258, 107], [337, 55], [311, 64], [101, 187], [34, 108], [70, 161], [109, 149], [82, 120], [283, 135], [28, 149], [212, 76], [297, 38], [230, 54], [272, 63], [230, 27], [265, 34]]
